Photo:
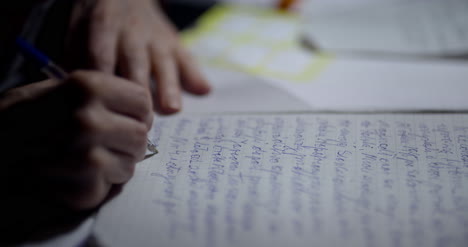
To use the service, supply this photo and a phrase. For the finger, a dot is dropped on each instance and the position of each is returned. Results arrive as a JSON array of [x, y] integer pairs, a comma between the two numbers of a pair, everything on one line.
[[134, 60], [28, 92], [98, 126], [168, 96], [123, 135], [102, 167], [88, 187], [134, 65], [192, 79], [102, 44], [117, 94], [130, 100], [114, 167]]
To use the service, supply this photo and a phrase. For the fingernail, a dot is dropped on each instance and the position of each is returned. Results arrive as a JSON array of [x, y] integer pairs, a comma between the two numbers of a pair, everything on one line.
[[173, 105], [206, 89]]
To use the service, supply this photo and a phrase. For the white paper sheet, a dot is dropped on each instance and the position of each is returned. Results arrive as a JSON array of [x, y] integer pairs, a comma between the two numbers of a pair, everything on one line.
[[424, 27], [239, 92], [297, 180], [384, 85]]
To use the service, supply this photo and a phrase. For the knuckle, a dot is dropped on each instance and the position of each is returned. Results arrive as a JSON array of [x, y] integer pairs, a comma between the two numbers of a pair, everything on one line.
[[141, 75], [124, 171], [101, 49], [102, 17], [163, 51], [101, 56], [95, 159], [135, 20], [130, 172], [140, 92], [126, 174], [87, 122], [142, 97], [98, 163], [139, 64]]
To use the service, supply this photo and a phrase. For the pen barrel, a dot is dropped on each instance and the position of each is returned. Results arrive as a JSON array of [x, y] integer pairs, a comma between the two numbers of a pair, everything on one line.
[[54, 71]]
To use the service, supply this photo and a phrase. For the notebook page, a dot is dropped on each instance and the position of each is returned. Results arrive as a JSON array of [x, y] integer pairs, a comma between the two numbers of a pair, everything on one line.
[[297, 180]]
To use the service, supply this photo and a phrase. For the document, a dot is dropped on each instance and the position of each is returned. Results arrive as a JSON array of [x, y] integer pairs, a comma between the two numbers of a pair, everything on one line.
[[408, 27], [297, 180]]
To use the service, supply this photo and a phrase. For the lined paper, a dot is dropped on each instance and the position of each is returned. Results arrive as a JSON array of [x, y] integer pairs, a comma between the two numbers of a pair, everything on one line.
[[297, 180]]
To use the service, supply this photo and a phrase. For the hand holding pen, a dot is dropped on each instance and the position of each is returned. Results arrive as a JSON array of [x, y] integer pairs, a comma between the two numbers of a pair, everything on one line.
[[71, 142], [68, 144], [53, 71]]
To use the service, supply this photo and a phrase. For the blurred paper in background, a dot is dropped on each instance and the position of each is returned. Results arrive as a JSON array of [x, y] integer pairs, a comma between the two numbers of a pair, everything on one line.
[[404, 27], [259, 41], [265, 43]]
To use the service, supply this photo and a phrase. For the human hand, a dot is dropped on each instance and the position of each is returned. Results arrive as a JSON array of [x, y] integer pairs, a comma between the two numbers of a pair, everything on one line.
[[134, 39], [66, 145]]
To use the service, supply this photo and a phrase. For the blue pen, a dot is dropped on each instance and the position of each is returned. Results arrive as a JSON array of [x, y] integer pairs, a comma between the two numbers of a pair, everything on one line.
[[46, 65], [54, 71]]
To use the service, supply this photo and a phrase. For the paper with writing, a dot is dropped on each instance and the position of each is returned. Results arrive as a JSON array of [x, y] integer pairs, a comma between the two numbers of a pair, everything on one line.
[[297, 180]]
